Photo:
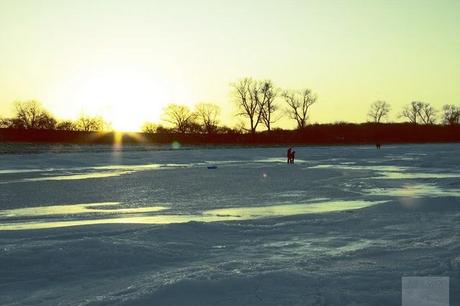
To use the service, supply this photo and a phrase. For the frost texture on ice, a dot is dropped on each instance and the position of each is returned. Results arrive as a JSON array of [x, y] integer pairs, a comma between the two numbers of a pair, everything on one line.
[[342, 226]]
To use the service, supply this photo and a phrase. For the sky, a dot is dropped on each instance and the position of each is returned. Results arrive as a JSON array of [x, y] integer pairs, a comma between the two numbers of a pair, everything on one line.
[[126, 60]]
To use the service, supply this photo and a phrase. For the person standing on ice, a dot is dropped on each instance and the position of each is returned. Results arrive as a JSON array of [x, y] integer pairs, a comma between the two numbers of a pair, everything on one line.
[[289, 155], [292, 157]]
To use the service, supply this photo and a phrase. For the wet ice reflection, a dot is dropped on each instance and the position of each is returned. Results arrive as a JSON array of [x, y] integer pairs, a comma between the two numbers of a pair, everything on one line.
[[101, 208], [349, 166], [415, 191], [224, 214], [287, 210], [79, 173], [391, 172], [417, 175], [82, 176]]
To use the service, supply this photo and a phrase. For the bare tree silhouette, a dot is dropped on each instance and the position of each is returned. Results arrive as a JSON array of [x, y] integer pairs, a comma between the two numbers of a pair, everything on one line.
[[249, 98], [149, 128], [270, 94], [31, 115], [4, 123], [419, 112], [179, 116], [379, 110], [66, 125], [90, 124], [451, 114], [412, 111], [299, 103], [10, 123], [207, 115], [428, 114]]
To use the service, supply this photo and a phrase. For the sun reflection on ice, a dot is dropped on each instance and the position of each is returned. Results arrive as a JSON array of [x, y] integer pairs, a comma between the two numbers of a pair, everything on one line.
[[414, 191], [142, 216], [75, 209]]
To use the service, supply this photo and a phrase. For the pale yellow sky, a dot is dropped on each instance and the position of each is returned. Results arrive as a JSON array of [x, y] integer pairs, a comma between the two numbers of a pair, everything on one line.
[[126, 60]]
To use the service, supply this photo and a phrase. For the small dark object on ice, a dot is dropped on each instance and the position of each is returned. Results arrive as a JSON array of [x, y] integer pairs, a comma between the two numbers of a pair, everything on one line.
[[212, 167]]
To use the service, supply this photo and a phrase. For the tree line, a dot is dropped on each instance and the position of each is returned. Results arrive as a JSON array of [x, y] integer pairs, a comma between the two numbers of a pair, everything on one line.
[[417, 112], [259, 102], [32, 115]]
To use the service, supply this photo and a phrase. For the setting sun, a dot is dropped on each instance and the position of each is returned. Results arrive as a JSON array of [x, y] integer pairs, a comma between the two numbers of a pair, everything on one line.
[[124, 97]]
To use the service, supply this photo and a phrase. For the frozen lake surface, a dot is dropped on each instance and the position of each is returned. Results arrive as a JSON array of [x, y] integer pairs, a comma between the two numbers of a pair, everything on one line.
[[155, 226]]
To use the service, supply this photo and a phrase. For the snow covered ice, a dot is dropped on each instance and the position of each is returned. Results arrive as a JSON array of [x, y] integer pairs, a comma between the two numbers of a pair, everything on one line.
[[144, 225]]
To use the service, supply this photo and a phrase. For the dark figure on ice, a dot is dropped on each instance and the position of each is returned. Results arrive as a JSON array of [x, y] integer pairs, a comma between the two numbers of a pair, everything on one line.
[[378, 145], [290, 156]]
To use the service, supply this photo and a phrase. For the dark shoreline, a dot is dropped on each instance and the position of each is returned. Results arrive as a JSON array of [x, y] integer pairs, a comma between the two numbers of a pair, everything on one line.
[[320, 134]]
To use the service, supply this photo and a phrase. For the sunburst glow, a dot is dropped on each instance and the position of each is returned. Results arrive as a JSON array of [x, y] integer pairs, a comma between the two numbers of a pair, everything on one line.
[[124, 97]]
